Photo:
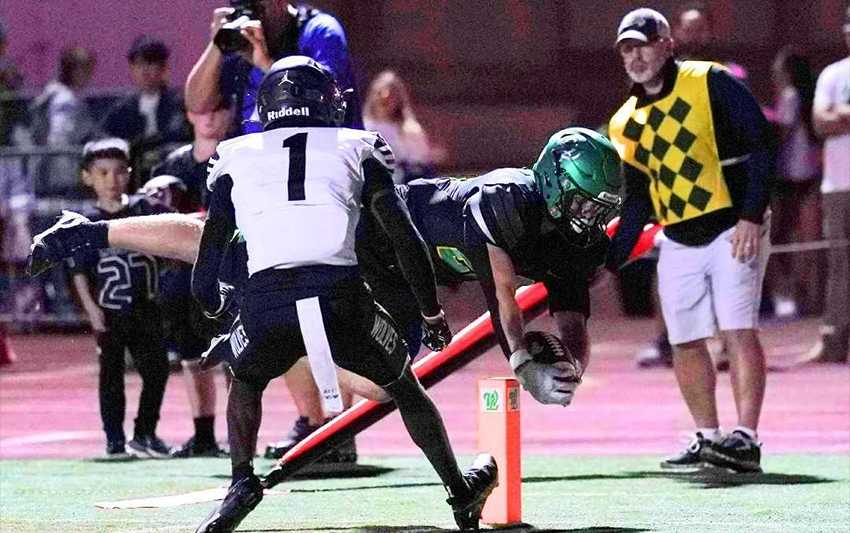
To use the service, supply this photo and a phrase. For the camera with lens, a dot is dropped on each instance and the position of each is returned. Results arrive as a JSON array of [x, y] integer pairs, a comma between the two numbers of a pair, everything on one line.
[[229, 37]]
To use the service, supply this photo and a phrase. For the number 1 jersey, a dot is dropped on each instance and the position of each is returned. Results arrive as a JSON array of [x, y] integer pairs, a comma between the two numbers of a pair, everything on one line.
[[296, 192]]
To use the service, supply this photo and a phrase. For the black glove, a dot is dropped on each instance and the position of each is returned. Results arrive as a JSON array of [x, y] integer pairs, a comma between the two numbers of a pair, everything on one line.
[[226, 310], [436, 334]]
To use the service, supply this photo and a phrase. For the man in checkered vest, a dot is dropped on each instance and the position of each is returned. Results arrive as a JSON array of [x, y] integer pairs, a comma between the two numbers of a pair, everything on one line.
[[695, 149]]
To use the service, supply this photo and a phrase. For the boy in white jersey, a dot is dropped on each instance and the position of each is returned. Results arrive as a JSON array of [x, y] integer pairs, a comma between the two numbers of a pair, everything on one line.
[[296, 192]]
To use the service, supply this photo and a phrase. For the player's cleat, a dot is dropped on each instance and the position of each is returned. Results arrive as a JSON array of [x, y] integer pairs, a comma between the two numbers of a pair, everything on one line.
[[145, 446], [736, 451], [239, 501], [193, 448], [481, 478], [690, 457], [71, 233], [116, 451], [299, 432]]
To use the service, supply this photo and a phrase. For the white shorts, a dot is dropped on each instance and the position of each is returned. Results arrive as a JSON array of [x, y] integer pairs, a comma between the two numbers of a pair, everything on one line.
[[703, 288]]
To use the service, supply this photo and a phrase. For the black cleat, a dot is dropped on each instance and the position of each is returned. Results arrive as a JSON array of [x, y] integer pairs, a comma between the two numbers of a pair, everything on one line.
[[690, 457], [736, 451], [144, 446], [239, 501], [193, 448], [71, 233], [481, 478], [299, 432]]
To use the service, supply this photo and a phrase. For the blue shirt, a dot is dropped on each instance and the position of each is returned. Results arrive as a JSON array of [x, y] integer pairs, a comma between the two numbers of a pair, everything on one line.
[[321, 38]]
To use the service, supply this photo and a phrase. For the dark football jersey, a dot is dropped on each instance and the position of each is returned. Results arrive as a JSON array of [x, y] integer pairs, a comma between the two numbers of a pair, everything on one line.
[[120, 279], [458, 217], [181, 164]]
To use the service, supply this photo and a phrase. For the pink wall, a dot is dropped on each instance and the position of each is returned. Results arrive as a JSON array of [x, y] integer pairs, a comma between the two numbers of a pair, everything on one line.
[[38, 29]]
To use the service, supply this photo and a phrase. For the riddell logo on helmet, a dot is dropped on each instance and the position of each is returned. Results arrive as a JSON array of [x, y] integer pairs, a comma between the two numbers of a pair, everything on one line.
[[302, 111]]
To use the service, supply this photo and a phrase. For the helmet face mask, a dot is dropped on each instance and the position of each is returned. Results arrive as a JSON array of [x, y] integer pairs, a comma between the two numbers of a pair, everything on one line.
[[578, 175], [299, 91]]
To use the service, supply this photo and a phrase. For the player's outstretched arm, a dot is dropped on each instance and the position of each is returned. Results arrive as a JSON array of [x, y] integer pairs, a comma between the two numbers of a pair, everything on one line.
[[170, 235]]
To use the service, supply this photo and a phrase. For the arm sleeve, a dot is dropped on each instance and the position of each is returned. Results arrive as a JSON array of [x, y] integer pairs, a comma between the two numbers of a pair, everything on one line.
[[636, 212], [740, 119], [218, 230], [380, 197]]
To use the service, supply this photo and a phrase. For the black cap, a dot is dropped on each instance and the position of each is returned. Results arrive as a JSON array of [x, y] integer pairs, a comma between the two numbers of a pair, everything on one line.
[[148, 49], [643, 24]]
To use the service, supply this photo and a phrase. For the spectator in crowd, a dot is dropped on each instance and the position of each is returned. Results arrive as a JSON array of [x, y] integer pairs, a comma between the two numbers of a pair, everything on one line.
[[388, 111], [59, 117], [693, 31], [281, 29], [181, 179], [117, 290], [10, 81], [16, 204], [795, 205], [694, 145], [153, 114], [831, 117]]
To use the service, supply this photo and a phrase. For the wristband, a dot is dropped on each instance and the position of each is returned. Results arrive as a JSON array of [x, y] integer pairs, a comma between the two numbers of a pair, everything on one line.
[[519, 358], [436, 318]]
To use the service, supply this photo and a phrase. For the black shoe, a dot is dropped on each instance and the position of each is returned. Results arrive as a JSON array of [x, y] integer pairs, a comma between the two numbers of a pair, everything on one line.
[[344, 453], [193, 448], [736, 451], [71, 233], [299, 432], [149, 446], [239, 501], [690, 457], [481, 478], [116, 451]]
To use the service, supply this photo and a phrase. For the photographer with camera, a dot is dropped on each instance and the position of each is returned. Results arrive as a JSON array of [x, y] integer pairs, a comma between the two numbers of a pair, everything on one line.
[[250, 35]]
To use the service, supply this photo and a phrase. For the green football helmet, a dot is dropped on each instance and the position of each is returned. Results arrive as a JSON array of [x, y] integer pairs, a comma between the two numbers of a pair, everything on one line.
[[578, 174]]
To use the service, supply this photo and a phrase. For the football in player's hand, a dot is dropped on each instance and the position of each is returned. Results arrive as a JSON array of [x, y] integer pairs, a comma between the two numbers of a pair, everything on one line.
[[547, 348]]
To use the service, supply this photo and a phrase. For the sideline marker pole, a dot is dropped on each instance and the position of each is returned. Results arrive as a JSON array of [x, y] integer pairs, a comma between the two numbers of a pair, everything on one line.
[[499, 435]]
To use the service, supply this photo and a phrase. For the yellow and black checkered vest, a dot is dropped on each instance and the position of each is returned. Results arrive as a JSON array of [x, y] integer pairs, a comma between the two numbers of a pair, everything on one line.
[[672, 141]]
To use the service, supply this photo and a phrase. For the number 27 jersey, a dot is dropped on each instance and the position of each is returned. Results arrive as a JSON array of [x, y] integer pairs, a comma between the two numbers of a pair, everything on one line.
[[297, 192]]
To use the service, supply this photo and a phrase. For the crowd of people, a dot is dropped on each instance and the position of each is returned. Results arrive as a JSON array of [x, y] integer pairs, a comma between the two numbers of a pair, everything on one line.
[[698, 154]]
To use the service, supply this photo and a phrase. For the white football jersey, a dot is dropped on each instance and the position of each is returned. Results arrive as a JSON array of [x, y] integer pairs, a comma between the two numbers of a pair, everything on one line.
[[297, 192]]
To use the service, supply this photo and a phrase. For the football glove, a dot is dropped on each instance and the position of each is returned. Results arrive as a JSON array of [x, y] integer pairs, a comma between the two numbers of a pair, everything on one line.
[[436, 334], [548, 383], [226, 310]]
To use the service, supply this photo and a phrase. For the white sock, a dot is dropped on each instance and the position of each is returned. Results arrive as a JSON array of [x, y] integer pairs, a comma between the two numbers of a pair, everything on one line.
[[712, 434], [751, 433]]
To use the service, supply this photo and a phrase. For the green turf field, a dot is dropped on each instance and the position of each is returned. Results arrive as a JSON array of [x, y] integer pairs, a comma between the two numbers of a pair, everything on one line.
[[801, 493]]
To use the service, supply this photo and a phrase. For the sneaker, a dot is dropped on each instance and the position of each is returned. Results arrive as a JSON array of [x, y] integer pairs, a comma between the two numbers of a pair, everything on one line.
[[72, 232], [149, 446], [239, 501], [660, 354], [299, 432], [193, 448], [481, 478], [736, 451], [690, 457], [115, 451], [344, 453]]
